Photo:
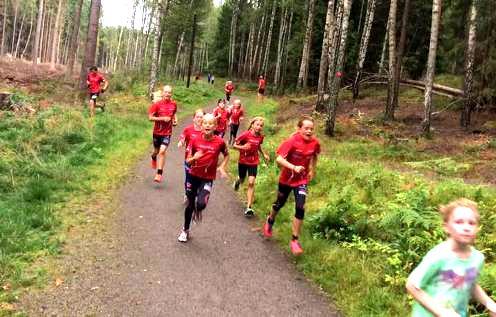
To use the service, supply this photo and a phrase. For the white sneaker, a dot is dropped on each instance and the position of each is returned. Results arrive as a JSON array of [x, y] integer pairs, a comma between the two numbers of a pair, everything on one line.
[[183, 236]]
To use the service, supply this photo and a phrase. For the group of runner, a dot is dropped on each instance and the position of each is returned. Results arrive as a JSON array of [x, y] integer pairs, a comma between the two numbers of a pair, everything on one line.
[[204, 144], [442, 284]]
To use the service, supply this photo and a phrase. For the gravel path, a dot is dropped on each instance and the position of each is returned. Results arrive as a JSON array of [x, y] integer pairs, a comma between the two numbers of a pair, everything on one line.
[[139, 268]]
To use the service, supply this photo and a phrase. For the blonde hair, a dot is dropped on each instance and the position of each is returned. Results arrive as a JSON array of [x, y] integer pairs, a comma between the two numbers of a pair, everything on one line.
[[198, 110], [255, 119], [447, 210], [304, 118]]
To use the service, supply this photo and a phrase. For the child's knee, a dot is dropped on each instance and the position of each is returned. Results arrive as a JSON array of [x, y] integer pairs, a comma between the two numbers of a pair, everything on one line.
[[300, 213]]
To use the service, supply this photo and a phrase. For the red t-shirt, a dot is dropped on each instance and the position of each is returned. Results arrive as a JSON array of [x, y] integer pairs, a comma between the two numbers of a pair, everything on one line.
[[261, 84], [229, 88], [222, 120], [297, 151], [250, 156], [163, 108], [188, 135], [94, 81], [206, 166], [235, 114]]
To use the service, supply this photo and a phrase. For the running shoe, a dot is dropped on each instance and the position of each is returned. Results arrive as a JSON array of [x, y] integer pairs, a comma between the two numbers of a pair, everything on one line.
[[249, 212], [295, 247], [183, 236], [267, 229], [236, 185], [154, 164], [158, 178]]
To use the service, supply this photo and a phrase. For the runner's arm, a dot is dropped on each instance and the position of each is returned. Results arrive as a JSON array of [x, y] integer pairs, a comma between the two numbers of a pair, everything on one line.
[[481, 296], [223, 164], [265, 154], [311, 167], [428, 302], [151, 117], [283, 162]]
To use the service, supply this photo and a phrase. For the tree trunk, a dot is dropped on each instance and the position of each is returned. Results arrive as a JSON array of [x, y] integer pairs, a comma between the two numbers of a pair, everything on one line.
[[249, 49], [114, 67], [401, 49], [130, 35], [280, 48], [285, 52], [18, 42], [91, 39], [334, 43], [161, 14], [258, 45], [468, 83], [336, 83], [37, 36], [4, 25], [16, 9], [305, 55], [55, 36], [74, 39], [178, 54], [232, 37], [324, 56], [148, 31], [369, 20], [29, 33], [383, 53], [431, 65], [389, 111], [269, 39]]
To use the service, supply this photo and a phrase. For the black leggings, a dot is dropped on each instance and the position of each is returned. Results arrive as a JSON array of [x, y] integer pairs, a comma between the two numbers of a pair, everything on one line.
[[198, 191], [300, 194], [233, 131]]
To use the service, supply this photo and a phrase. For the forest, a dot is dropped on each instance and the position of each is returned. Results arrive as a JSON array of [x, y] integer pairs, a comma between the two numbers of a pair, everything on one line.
[[402, 91]]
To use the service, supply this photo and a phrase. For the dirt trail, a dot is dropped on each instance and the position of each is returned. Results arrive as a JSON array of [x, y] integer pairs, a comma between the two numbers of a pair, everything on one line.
[[226, 269]]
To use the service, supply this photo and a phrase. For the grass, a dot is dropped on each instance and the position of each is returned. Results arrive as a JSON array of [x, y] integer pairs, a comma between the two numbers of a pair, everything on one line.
[[53, 165], [371, 214]]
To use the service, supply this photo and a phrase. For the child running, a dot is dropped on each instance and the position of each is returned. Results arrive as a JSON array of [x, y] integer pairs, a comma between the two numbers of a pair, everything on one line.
[[261, 88], [249, 143], [189, 134], [298, 158], [94, 81], [236, 114], [221, 115], [163, 114], [443, 283], [202, 156], [228, 89]]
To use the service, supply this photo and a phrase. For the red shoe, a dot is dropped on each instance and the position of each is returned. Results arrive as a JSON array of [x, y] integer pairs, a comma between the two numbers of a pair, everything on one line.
[[154, 164], [158, 178], [267, 229], [295, 247]]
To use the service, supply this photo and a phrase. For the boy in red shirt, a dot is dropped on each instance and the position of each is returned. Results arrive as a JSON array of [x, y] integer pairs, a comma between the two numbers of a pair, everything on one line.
[[221, 115], [203, 156], [261, 87], [249, 143], [189, 134], [94, 81], [163, 114], [298, 157], [228, 89], [236, 114]]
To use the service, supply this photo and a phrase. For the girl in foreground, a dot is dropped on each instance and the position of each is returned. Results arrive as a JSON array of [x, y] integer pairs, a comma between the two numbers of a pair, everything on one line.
[[202, 157], [249, 144], [446, 279]]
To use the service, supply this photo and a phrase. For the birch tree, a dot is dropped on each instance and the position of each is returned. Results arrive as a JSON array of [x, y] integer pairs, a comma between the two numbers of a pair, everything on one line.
[[324, 55], [282, 30], [55, 36], [4, 25], [305, 55], [431, 65], [335, 84], [269, 39], [37, 37], [389, 112], [468, 83], [162, 8], [232, 36], [364, 42]]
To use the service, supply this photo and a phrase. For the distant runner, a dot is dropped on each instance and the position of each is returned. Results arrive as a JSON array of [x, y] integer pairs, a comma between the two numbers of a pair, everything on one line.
[[261, 88], [94, 81], [249, 143], [228, 89], [298, 157], [221, 115], [236, 114], [163, 114], [203, 157]]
